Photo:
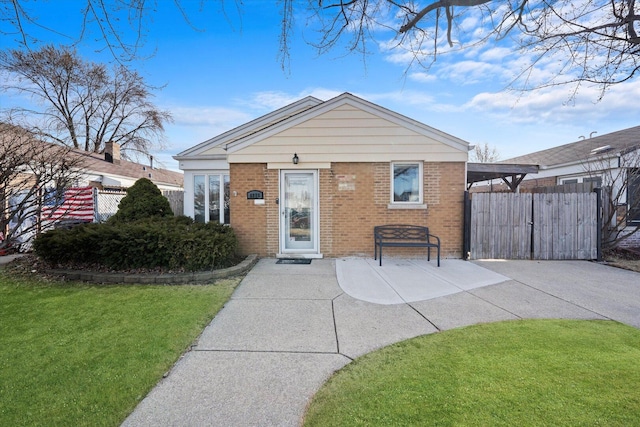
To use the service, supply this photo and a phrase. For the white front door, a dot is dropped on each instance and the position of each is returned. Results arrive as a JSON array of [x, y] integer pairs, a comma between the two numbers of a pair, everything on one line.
[[299, 212]]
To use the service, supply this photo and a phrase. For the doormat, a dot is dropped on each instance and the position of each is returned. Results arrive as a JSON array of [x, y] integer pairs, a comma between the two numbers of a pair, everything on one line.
[[293, 261]]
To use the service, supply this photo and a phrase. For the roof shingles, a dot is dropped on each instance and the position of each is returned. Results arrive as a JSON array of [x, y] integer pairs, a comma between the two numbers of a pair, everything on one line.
[[619, 142]]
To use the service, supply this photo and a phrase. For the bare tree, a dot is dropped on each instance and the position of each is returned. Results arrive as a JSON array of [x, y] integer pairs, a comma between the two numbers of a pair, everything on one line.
[[619, 177], [120, 23], [84, 104], [483, 153], [30, 171], [593, 41]]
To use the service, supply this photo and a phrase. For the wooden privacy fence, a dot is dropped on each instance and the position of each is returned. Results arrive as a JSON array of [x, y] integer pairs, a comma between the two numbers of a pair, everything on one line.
[[176, 200], [533, 226]]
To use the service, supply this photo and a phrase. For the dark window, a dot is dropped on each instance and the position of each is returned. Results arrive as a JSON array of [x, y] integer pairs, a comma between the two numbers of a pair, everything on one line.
[[198, 198], [633, 195], [406, 183], [596, 180]]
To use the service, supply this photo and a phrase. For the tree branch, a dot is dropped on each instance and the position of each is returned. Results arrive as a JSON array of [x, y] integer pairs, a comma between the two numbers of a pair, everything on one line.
[[439, 4]]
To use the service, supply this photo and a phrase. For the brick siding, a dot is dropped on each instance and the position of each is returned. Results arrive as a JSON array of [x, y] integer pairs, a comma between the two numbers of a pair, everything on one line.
[[354, 197]]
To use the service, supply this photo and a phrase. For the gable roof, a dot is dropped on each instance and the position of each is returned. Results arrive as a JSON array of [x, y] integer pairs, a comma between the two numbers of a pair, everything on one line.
[[249, 128], [92, 163], [354, 101], [96, 163], [615, 143], [301, 111]]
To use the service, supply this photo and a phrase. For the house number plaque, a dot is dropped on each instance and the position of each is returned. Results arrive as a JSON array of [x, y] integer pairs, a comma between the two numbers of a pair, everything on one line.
[[255, 195]]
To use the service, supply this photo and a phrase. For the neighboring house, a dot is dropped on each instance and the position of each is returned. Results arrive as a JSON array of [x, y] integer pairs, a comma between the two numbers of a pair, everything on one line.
[[313, 178], [109, 170], [611, 160], [99, 183]]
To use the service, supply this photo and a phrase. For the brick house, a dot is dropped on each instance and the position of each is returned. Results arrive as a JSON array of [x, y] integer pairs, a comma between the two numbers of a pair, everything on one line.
[[313, 178]]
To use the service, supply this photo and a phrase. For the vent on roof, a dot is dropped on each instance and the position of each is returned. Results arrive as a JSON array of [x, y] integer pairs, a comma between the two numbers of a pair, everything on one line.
[[601, 150]]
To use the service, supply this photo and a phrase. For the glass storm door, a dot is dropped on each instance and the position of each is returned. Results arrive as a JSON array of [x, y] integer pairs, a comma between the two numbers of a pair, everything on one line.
[[299, 212]]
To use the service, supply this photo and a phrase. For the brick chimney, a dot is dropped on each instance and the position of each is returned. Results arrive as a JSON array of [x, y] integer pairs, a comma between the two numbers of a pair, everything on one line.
[[112, 152]]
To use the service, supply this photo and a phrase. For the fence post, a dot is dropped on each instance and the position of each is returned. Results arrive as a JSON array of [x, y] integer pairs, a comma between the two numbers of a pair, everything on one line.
[[599, 214], [466, 238]]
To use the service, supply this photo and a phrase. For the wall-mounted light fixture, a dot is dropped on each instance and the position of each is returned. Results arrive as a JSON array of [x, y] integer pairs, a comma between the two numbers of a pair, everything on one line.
[[295, 158]]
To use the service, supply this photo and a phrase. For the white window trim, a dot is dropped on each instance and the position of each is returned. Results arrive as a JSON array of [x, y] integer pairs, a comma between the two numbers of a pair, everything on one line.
[[579, 179], [206, 175], [407, 205]]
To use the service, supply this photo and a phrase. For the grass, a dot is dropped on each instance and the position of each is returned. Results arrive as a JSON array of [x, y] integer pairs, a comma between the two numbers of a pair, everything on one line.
[[85, 355], [524, 373]]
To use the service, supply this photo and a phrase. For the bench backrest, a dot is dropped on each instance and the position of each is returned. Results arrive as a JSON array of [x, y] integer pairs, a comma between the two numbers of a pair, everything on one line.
[[401, 232]]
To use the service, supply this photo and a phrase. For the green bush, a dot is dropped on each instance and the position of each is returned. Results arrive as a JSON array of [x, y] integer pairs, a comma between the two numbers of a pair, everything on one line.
[[169, 243], [143, 200]]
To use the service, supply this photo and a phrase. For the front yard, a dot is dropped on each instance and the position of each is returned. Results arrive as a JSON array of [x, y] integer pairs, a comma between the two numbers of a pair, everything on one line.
[[515, 373], [85, 355]]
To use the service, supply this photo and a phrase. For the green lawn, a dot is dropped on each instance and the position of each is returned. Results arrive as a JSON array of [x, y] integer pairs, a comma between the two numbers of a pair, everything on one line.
[[85, 355], [520, 373]]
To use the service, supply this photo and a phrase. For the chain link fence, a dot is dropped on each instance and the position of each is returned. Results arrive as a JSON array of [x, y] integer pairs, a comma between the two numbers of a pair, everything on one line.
[[107, 202]]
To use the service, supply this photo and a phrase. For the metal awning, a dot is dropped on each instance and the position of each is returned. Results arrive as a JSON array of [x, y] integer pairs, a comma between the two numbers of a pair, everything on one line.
[[511, 174]]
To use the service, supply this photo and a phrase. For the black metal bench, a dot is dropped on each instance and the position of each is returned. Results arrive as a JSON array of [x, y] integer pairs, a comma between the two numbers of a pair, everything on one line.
[[400, 235]]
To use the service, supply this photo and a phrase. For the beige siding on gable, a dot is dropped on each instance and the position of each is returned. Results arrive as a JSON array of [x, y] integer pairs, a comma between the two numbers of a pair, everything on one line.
[[214, 150], [220, 149], [347, 134]]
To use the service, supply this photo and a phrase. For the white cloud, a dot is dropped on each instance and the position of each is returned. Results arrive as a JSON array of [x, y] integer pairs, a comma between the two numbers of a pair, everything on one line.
[[552, 105], [406, 98], [268, 101], [470, 72], [207, 116], [495, 54], [423, 77]]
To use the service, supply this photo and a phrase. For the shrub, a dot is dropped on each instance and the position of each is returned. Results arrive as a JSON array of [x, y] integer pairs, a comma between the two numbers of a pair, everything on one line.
[[172, 243], [143, 200]]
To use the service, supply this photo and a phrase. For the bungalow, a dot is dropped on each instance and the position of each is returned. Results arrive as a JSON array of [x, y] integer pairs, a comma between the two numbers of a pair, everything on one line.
[[313, 178]]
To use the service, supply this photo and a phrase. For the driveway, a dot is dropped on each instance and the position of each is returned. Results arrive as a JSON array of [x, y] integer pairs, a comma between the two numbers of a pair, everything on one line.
[[287, 328]]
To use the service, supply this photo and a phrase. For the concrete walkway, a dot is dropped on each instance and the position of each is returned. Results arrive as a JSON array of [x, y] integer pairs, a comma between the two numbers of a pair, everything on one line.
[[287, 328], [6, 259]]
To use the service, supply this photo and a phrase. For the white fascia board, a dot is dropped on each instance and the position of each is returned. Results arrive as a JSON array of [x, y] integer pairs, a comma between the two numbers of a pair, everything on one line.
[[201, 157], [610, 157], [201, 164], [576, 169], [250, 127], [348, 99]]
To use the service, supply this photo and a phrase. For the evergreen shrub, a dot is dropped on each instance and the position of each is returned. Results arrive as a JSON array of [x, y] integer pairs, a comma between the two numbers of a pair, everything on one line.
[[143, 200], [176, 243]]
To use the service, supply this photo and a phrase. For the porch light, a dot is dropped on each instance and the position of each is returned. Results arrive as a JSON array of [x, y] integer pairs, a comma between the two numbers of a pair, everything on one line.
[[295, 158]]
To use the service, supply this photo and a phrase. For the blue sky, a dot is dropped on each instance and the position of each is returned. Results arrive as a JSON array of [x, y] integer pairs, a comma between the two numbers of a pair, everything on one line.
[[228, 72]]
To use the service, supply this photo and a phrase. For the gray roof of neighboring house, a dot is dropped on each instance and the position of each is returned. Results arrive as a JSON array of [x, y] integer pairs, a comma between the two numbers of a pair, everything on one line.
[[89, 161], [616, 142], [96, 162]]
